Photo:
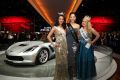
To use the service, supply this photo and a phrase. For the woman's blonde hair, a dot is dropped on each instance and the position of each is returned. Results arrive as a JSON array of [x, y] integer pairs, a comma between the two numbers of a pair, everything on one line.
[[89, 26]]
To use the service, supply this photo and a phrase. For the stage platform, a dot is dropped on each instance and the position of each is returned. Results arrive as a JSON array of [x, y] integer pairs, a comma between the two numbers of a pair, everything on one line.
[[105, 66]]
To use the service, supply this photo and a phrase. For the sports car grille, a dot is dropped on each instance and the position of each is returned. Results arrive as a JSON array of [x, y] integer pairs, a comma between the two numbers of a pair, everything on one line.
[[17, 58]]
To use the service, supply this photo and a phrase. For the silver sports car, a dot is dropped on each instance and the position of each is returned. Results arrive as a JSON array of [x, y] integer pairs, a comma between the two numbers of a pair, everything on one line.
[[29, 52]]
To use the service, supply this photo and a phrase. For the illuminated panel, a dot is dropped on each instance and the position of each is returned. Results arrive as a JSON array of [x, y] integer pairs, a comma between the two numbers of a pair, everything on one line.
[[15, 23], [49, 9], [37, 9], [43, 10], [102, 23]]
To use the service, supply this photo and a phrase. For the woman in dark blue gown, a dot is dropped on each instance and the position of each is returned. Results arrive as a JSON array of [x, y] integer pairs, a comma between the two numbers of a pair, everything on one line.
[[72, 45], [86, 69]]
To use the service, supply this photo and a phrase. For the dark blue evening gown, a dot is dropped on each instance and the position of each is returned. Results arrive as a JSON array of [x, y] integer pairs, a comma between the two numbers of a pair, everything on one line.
[[86, 69], [72, 47]]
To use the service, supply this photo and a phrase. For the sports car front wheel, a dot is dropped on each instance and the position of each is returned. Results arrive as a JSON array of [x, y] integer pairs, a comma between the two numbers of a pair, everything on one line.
[[43, 56]]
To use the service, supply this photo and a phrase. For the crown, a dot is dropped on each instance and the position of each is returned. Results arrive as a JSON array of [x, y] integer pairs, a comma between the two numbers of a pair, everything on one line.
[[60, 13], [87, 18]]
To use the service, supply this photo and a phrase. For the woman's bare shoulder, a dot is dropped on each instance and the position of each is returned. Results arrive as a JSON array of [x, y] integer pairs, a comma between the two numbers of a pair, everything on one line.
[[77, 25]]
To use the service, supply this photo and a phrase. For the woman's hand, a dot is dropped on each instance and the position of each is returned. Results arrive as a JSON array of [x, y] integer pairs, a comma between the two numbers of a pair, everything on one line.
[[55, 44], [50, 34], [96, 34], [90, 42]]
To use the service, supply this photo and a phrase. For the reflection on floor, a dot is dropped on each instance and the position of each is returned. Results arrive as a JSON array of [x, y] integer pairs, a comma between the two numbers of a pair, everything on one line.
[[116, 76]]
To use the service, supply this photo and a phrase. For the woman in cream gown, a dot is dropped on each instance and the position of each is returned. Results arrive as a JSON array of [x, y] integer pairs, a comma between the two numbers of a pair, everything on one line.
[[61, 67]]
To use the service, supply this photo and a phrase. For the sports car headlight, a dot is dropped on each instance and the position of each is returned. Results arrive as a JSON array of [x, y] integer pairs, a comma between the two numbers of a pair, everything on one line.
[[31, 49]]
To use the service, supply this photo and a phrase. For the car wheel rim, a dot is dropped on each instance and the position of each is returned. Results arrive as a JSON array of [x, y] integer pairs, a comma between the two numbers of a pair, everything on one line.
[[43, 56]]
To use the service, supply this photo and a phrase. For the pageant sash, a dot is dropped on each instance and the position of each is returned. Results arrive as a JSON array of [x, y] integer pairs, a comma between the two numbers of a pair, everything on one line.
[[86, 38], [73, 32], [62, 32]]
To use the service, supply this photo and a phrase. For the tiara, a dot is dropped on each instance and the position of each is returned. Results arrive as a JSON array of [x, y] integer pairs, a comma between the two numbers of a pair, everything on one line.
[[87, 18], [60, 13]]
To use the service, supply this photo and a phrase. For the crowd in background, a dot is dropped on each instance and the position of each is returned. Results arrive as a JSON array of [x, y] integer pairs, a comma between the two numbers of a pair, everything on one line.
[[7, 38], [111, 39]]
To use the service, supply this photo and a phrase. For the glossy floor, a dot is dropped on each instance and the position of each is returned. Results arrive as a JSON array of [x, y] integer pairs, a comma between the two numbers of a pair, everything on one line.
[[116, 76]]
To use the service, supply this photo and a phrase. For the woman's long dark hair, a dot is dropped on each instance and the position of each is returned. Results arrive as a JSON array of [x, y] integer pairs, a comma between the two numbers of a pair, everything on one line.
[[64, 23], [72, 13]]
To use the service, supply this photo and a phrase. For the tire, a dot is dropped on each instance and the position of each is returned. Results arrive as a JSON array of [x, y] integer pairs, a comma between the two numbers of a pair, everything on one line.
[[43, 56]]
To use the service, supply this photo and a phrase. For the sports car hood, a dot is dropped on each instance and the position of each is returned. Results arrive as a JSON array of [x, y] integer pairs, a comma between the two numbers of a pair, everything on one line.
[[22, 46]]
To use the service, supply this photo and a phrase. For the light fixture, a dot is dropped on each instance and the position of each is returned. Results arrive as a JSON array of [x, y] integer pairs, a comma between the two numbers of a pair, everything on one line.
[[49, 9]]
